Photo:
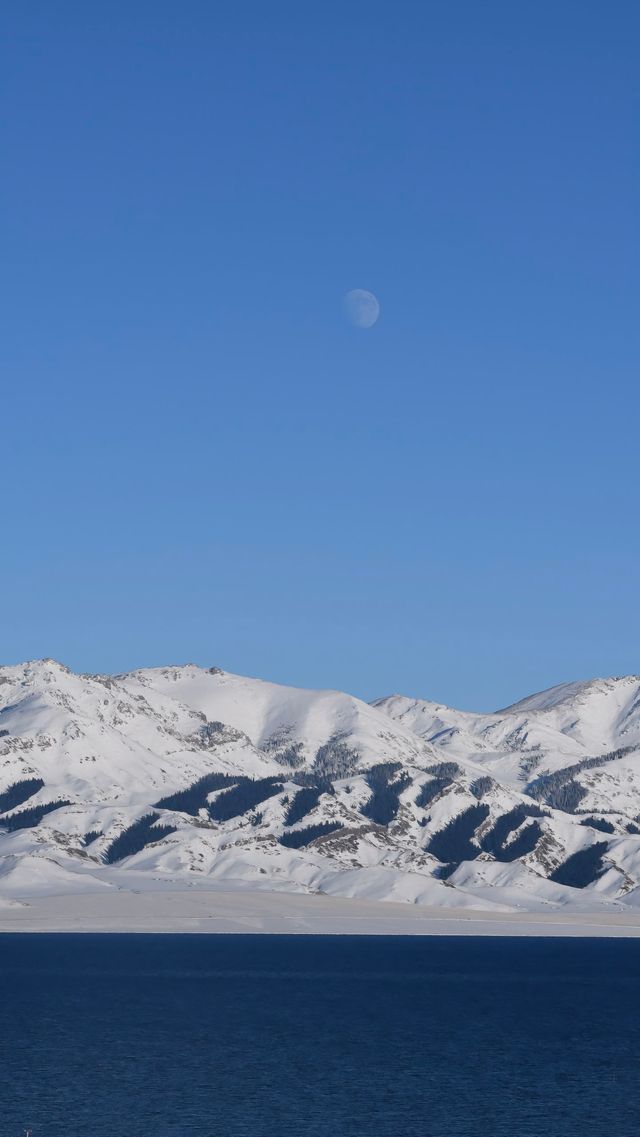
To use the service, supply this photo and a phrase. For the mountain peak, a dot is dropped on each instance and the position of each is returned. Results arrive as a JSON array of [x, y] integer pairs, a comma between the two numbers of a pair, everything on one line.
[[187, 773]]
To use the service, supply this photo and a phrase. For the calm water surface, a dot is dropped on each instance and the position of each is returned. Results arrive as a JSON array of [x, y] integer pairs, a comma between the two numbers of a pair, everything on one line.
[[228, 1036]]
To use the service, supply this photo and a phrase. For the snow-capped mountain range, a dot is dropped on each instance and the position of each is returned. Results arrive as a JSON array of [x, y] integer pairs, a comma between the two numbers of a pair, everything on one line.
[[189, 775]]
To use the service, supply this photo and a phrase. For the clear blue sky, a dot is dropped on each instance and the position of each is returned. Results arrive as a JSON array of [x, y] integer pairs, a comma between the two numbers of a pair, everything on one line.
[[202, 460]]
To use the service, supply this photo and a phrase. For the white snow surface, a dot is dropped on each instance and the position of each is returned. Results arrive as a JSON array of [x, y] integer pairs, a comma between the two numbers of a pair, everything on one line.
[[470, 814]]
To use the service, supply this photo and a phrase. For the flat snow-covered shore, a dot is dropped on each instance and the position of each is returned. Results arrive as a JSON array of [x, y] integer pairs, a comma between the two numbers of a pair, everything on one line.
[[285, 913]]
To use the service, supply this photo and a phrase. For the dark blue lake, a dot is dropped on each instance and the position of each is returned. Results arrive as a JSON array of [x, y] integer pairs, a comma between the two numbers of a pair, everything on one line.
[[232, 1036]]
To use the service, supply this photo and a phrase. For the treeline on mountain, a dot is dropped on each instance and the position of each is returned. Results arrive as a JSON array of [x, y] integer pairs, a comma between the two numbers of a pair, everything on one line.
[[453, 843], [299, 838], [312, 787], [292, 755], [136, 837], [561, 791], [431, 790], [523, 843], [302, 803], [444, 770], [284, 751], [19, 792], [243, 797], [481, 786], [335, 759], [28, 818], [443, 775], [382, 807], [91, 836], [194, 798], [243, 794], [581, 868], [600, 823], [495, 840], [314, 781]]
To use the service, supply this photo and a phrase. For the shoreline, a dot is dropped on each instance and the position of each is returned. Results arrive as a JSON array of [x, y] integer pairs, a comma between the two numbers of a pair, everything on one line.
[[218, 912]]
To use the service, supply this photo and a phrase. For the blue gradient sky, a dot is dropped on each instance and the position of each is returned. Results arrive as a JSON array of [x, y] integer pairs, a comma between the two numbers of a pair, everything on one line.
[[202, 460]]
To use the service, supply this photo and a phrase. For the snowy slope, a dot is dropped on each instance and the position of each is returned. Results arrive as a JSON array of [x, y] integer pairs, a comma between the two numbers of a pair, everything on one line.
[[289, 724], [183, 775], [595, 722]]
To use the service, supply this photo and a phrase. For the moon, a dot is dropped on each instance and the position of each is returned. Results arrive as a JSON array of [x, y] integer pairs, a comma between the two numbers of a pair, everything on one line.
[[362, 307]]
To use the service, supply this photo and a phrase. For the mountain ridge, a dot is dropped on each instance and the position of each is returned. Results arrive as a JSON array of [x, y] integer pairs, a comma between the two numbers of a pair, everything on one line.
[[188, 774]]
